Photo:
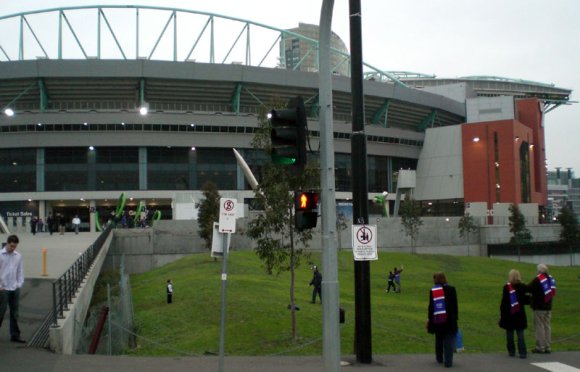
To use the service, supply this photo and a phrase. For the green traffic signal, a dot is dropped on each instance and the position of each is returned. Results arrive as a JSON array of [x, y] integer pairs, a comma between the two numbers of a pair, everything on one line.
[[288, 134]]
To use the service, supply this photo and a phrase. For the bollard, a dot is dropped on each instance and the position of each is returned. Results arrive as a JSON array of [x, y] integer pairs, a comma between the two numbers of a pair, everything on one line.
[[44, 261]]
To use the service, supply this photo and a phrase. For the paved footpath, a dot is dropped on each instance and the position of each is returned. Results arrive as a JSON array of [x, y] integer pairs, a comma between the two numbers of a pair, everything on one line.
[[14, 358]]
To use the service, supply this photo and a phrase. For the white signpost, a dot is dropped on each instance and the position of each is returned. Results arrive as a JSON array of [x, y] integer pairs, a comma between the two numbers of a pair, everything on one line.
[[227, 215], [227, 225], [364, 242]]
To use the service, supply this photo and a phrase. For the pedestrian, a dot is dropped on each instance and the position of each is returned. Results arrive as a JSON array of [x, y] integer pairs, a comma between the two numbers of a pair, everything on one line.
[[40, 226], [442, 316], [397, 273], [11, 280], [513, 314], [169, 291], [76, 221], [543, 290], [61, 223], [317, 283], [50, 223], [33, 225], [391, 282]]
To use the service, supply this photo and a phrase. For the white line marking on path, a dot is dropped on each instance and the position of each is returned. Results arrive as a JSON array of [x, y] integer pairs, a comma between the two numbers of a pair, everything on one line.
[[556, 367]]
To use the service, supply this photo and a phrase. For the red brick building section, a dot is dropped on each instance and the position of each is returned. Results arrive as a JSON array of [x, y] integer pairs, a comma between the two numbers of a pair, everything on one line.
[[504, 160]]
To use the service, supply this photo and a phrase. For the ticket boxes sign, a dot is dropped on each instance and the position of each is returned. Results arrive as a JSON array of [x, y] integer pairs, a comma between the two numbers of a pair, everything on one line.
[[364, 242]]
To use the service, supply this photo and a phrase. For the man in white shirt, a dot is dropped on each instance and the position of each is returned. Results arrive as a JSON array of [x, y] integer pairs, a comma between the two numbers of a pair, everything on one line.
[[76, 221], [11, 280]]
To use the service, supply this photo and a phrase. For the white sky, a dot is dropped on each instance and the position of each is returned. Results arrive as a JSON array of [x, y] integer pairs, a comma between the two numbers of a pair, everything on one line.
[[523, 39]]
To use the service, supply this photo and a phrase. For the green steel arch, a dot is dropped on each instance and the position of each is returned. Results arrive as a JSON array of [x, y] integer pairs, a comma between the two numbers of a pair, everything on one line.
[[23, 42]]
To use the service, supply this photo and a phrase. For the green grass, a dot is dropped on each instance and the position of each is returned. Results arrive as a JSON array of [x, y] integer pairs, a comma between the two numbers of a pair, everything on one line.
[[258, 322]]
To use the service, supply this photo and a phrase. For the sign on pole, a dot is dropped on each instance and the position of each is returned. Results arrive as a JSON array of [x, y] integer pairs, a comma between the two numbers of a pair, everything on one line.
[[217, 242], [227, 219], [364, 242]]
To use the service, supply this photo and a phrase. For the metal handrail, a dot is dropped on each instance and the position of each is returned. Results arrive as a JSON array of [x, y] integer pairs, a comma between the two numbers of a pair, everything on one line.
[[65, 287]]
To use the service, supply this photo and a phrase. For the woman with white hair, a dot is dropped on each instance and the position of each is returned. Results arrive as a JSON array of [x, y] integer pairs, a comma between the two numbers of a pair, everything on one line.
[[543, 289], [512, 313]]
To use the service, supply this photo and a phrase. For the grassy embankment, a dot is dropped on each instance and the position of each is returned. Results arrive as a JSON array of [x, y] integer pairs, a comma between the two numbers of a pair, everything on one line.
[[258, 322]]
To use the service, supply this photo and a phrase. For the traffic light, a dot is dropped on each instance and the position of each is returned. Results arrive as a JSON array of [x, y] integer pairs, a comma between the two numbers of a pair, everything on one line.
[[306, 209], [288, 134]]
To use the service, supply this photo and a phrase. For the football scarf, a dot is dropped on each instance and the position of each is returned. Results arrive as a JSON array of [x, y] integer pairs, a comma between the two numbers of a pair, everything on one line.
[[548, 286], [439, 312], [515, 305]]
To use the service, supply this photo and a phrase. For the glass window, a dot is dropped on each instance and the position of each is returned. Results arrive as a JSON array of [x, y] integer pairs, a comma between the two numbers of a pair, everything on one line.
[[18, 169], [343, 172], [66, 169], [217, 166], [168, 168], [117, 168]]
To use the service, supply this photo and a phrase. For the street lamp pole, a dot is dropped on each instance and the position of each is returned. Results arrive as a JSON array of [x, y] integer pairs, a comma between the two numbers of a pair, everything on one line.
[[362, 299], [330, 288]]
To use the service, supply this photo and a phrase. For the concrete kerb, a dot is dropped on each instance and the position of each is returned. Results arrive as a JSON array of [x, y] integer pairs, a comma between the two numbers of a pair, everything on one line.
[[64, 336]]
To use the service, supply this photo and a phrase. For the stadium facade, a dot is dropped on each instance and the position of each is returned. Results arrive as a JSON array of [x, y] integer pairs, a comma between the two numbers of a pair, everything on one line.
[[77, 137]]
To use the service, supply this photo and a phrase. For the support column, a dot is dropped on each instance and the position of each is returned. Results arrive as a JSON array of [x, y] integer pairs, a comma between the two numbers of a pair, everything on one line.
[[142, 168], [40, 170], [92, 216]]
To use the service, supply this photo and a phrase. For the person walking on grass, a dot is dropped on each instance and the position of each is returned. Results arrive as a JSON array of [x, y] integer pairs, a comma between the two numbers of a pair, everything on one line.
[[391, 282], [513, 314], [11, 280], [397, 273], [169, 291], [442, 316], [317, 283]]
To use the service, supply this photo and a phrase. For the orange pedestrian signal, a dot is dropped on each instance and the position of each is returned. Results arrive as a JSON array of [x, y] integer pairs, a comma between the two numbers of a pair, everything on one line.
[[303, 201], [306, 206]]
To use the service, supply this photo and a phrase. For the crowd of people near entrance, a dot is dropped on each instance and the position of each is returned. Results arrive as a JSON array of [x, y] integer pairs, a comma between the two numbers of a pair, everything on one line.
[[56, 223]]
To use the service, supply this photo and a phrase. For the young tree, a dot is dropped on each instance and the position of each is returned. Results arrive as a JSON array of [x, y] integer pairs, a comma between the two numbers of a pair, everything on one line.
[[570, 233], [466, 227], [279, 245], [208, 212], [521, 234], [411, 219], [341, 224]]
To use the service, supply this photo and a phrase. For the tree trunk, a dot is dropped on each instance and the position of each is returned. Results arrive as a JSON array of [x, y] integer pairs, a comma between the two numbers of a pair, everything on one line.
[[292, 300]]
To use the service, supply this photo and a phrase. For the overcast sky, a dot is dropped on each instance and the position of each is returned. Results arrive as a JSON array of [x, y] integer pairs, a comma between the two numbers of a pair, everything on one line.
[[522, 39]]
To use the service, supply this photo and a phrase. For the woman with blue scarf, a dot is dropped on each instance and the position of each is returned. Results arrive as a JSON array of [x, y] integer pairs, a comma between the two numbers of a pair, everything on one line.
[[512, 313], [442, 318]]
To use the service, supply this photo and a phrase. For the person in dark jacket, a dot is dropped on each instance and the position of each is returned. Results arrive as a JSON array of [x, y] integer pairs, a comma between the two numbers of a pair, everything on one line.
[[442, 316], [513, 314], [317, 283], [543, 289]]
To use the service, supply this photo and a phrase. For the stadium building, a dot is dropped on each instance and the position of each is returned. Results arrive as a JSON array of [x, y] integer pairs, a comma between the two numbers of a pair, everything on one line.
[[87, 116]]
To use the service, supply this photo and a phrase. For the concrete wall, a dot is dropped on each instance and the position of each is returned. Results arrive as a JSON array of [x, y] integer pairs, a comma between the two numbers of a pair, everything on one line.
[[167, 241], [65, 336], [556, 260], [440, 167]]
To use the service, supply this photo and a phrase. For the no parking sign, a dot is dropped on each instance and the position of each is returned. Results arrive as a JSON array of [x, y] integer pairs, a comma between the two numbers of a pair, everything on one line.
[[364, 242]]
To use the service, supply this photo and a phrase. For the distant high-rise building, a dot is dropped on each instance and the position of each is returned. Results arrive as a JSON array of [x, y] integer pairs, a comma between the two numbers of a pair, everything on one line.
[[563, 189], [298, 54]]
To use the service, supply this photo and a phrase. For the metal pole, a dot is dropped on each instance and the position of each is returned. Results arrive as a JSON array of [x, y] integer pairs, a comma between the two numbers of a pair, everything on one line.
[[109, 319], [362, 299], [330, 288], [224, 285]]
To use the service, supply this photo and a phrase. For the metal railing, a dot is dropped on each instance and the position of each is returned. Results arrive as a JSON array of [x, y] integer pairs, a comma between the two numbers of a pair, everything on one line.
[[65, 288]]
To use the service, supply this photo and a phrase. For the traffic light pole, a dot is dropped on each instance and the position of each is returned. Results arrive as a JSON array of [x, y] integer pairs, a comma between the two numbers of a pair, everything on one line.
[[362, 297], [330, 288]]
